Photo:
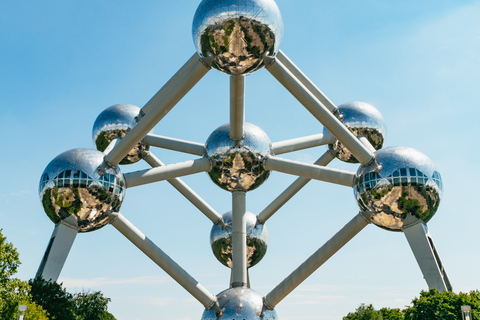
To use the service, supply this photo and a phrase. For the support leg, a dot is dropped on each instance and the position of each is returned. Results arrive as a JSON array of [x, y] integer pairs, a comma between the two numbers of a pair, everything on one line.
[[427, 257], [57, 250]]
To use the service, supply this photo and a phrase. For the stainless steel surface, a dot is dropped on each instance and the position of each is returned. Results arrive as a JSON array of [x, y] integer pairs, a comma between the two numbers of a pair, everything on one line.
[[115, 122], [238, 165], [71, 186], [257, 240], [363, 120], [237, 34], [408, 188], [240, 304]]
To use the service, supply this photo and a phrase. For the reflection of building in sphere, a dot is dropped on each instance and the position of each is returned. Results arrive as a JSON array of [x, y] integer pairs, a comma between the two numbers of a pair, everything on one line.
[[240, 303], [257, 240], [407, 188], [363, 120], [115, 122], [238, 165], [70, 186], [237, 34]]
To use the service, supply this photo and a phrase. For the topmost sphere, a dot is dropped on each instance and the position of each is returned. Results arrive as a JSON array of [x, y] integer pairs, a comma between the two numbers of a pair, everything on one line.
[[237, 33]]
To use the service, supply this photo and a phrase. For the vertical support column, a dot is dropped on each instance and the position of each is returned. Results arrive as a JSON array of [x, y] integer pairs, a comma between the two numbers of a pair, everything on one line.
[[239, 240], [428, 260], [57, 250], [237, 106]]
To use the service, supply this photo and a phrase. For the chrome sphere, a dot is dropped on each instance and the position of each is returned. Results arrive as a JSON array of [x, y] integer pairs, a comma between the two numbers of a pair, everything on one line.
[[237, 34], [240, 304], [115, 122], [257, 240], [408, 188], [71, 187], [363, 120], [238, 165]]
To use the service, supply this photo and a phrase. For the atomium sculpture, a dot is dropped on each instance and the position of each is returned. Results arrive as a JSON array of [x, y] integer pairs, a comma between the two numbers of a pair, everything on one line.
[[397, 188]]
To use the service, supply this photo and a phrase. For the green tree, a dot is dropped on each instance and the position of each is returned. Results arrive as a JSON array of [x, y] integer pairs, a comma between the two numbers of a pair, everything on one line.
[[364, 312], [433, 305], [13, 291], [54, 298], [92, 306]]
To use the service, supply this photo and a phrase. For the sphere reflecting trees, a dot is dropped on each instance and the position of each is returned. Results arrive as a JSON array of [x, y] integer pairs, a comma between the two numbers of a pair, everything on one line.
[[237, 34], [115, 122], [257, 240], [240, 304], [238, 165], [71, 187], [363, 120], [408, 188]]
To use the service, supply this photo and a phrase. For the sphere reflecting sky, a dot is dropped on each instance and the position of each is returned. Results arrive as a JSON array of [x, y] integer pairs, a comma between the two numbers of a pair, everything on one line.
[[115, 122], [70, 186], [362, 119], [257, 240], [408, 188], [238, 165], [240, 304], [237, 33]]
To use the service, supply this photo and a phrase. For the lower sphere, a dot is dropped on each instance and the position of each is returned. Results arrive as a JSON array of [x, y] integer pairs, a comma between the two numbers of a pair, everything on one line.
[[240, 304]]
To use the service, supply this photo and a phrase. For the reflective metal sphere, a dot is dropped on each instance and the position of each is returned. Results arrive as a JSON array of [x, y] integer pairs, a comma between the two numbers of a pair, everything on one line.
[[240, 304], [70, 186], [238, 165], [362, 119], [407, 188], [257, 240], [115, 122], [237, 34]]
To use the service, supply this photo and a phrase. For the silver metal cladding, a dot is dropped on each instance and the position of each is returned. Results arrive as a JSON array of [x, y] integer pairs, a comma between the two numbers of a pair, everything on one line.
[[407, 189], [71, 186], [362, 119], [257, 240], [115, 122], [240, 303], [237, 34], [238, 165]]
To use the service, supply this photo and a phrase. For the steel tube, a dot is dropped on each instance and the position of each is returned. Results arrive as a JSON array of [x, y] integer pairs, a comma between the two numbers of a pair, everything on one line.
[[239, 240], [186, 191], [297, 73], [194, 148], [164, 261], [292, 190], [137, 178], [161, 108], [302, 143], [310, 171], [351, 229], [319, 111], [237, 106], [170, 83]]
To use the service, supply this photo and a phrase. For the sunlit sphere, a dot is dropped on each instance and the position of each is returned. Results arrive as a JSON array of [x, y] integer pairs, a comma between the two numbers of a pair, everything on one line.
[[407, 189], [240, 304], [238, 165], [115, 122], [237, 34], [71, 187], [363, 120], [257, 240]]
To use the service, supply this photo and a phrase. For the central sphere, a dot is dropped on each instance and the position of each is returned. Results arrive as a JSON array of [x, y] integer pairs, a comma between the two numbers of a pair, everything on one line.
[[240, 304], [407, 189], [257, 240], [237, 34], [70, 187], [238, 165]]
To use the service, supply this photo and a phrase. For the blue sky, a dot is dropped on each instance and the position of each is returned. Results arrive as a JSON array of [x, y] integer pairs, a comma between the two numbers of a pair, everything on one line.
[[417, 62]]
